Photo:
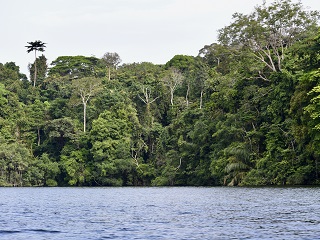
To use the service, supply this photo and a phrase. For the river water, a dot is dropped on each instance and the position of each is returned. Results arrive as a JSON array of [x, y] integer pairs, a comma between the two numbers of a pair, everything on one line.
[[160, 213]]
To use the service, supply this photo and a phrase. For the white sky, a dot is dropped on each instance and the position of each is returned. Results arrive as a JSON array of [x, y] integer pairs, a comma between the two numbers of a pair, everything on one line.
[[138, 30]]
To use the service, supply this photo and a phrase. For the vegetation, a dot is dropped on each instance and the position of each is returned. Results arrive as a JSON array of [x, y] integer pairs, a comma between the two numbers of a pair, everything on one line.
[[245, 111], [35, 46]]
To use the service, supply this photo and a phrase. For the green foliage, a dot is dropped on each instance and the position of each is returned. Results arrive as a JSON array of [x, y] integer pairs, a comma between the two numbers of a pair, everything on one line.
[[111, 141], [41, 67], [181, 62], [14, 162], [74, 163], [76, 67], [43, 171], [245, 111], [10, 73], [268, 32]]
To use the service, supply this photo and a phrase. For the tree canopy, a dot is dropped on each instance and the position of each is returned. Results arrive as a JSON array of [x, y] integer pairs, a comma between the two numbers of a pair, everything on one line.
[[245, 111]]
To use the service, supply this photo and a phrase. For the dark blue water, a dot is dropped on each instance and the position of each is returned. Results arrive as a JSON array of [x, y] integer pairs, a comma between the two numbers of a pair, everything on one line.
[[160, 213]]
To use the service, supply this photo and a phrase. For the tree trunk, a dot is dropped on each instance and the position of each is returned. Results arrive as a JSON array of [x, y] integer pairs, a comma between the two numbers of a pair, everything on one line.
[[187, 94], [201, 96], [39, 140], [171, 96], [84, 116], [35, 69]]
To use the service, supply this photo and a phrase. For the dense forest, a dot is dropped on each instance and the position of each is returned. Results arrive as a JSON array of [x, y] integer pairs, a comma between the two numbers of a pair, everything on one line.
[[245, 111]]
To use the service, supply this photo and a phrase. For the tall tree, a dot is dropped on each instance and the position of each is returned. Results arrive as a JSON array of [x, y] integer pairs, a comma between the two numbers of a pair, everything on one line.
[[111, 60], [86, 88], [35, 46], [268, 31], [173, 79], [147, 99], [76, 67], [186, 65]]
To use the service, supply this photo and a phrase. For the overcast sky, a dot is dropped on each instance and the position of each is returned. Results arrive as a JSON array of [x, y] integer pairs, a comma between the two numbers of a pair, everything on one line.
[[138, 30]]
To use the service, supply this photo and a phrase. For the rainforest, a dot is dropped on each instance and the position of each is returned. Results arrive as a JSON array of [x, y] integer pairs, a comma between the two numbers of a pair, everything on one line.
[[244, 112]]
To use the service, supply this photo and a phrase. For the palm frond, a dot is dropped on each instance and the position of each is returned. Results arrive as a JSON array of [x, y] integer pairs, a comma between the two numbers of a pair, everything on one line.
[[35, 46]]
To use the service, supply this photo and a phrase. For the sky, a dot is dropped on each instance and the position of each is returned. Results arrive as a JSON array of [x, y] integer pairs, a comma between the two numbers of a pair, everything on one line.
[[138, 30]]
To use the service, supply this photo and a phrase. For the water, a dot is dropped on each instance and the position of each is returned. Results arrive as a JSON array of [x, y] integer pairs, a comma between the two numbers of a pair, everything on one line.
[[160, 213]]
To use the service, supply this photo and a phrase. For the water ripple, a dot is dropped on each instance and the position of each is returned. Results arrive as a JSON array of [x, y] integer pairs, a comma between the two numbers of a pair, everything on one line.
[[159, 213]]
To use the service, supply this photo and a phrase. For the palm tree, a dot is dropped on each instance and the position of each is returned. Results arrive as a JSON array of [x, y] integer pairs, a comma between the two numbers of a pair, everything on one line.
[[238, 163], [35, 46]]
